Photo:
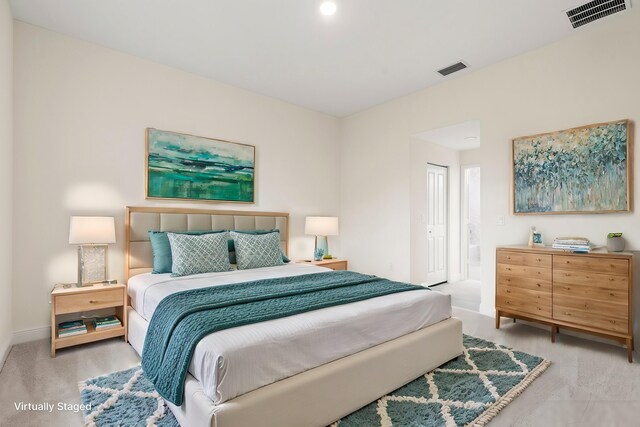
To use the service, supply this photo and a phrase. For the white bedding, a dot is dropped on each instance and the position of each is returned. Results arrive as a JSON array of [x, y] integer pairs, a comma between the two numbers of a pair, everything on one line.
[[235, 361]]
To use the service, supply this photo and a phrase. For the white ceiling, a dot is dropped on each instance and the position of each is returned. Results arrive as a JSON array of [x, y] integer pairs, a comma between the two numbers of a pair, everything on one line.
[[462, 136], [369, 52]]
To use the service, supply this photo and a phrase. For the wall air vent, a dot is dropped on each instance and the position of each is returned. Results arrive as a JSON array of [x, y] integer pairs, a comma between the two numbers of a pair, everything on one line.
[[595, 10], [452, 69]]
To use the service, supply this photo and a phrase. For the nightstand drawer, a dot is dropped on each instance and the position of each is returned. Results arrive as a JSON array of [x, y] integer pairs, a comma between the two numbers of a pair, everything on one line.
[[89, 301], [332, 263], [337, 265]]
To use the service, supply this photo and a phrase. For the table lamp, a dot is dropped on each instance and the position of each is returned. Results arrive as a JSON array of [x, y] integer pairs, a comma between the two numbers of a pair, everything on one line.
[[321, 227], [92, 234]]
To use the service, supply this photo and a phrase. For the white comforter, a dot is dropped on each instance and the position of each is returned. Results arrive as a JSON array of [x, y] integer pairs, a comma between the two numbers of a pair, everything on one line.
[[235, 361]]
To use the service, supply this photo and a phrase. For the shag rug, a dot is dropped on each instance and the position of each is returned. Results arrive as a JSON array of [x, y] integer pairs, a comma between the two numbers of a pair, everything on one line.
[[467, 391]]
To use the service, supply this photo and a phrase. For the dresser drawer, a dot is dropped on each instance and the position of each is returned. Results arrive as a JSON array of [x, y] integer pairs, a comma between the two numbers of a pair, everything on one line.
[[84, 302], [594, 280], [509, 270], [525, 259], [537, 296], [517, 302], [590, 292], [603, 315], [533, 284], [618, 267]]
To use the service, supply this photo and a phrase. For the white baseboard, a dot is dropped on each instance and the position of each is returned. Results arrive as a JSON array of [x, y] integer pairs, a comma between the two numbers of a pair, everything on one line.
[[31, 334]]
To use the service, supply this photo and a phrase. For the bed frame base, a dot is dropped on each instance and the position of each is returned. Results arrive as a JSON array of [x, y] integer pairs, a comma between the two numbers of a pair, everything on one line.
[[324, 394]]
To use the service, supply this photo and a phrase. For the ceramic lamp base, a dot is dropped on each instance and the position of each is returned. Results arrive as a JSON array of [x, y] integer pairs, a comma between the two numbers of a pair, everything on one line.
[[323, 244]]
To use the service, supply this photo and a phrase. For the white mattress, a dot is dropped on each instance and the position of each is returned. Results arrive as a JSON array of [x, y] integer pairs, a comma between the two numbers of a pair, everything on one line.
[[235, 361]]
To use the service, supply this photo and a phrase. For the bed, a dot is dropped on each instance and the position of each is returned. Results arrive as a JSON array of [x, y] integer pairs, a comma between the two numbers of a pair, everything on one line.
[[304, 370]]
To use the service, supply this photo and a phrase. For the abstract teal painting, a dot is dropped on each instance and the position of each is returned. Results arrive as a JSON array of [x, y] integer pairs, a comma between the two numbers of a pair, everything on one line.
[[580, 170], [188, 167]]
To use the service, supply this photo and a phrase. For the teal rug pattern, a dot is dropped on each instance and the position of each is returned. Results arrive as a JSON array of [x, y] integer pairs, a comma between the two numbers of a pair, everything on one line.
[[124, 399], [467, 391]]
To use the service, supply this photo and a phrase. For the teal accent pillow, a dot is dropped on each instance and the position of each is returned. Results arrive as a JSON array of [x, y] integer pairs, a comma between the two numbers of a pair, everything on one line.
[[257, 250], [232, 248], [161, 249], [195, 254]]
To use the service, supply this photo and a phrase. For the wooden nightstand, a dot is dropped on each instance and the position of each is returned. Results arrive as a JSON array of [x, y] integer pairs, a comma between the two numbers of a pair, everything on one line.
[[65, 301], [334, 264]]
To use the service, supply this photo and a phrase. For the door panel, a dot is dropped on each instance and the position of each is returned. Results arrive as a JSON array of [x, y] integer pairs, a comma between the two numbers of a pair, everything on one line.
[[437, 224]]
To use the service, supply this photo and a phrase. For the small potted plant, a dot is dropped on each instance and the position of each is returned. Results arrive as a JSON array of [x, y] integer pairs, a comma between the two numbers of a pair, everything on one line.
[[615, 242]]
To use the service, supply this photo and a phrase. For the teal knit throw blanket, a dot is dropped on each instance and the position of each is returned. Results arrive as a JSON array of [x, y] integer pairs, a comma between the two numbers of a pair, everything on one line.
[[182, 319]]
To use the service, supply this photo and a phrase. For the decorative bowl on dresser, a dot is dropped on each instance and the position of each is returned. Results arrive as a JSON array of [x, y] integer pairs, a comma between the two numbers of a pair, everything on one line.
[[590, 293]]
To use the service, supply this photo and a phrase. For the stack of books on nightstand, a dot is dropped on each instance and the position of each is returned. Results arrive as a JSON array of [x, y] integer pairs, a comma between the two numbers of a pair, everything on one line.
[[73, 327], [106, 322]]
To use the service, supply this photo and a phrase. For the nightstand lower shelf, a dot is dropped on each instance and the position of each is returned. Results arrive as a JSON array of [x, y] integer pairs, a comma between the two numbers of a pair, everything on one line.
[[91, 336]]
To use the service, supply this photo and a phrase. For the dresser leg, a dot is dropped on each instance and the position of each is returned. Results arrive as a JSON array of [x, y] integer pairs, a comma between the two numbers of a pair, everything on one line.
[[630, 349], [497, 319], [553, 333]]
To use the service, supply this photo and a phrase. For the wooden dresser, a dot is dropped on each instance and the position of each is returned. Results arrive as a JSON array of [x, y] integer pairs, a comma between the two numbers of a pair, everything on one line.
[[590, 293]]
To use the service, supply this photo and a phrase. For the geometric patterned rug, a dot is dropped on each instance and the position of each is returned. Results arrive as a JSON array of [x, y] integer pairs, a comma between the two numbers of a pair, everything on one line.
[[124, 399], [467, 391]]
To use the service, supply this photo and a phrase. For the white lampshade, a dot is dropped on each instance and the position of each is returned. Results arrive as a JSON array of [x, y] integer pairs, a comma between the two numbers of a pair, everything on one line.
[[84, 230], [321, 225]]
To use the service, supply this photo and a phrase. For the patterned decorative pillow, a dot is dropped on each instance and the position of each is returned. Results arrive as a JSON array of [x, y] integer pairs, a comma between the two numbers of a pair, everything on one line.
[[257, 250], [193, 254], [161, 249], [232, 246]]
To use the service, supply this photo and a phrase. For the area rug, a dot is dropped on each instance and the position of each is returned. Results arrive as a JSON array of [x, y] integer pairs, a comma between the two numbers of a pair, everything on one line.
[[467, 391]]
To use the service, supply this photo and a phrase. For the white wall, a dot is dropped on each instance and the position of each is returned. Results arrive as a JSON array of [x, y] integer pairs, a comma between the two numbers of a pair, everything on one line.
[[6, 174], [80, 116], [423, 153], [590, 77]]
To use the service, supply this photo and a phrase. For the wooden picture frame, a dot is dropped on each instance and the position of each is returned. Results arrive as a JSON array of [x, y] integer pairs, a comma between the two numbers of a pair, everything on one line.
[[184, 167], [582, 170]]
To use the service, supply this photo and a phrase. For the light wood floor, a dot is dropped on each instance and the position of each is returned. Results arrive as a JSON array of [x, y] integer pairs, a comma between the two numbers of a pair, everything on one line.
[[589, 383]]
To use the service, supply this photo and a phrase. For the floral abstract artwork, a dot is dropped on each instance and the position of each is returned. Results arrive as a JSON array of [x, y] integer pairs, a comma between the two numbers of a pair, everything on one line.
[[581, 170], [190, 167]]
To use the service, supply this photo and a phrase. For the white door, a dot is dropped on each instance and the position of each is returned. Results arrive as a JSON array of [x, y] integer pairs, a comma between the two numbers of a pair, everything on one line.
[[437, 224]]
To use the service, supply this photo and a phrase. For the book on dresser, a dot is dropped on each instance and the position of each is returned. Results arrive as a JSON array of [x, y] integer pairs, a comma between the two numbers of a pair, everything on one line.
[[71, 328], [586, 292], [574, 244]]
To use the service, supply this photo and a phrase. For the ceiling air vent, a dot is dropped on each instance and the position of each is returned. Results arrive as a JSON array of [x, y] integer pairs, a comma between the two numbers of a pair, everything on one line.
[[452, 69], [595, 10]]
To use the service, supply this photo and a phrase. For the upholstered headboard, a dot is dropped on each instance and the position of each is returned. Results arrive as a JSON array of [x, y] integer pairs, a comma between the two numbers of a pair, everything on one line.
[[139, 220]]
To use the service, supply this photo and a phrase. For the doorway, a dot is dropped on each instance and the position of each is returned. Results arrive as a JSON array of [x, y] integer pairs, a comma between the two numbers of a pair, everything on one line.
[[437, 224], [471, 234]]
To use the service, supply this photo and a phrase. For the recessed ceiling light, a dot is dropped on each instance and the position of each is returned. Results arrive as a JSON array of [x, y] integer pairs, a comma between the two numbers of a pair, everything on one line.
[[471, 138], [328, 8]]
